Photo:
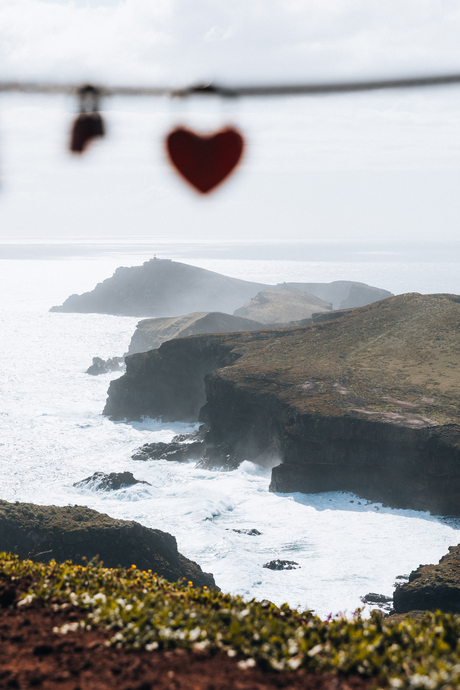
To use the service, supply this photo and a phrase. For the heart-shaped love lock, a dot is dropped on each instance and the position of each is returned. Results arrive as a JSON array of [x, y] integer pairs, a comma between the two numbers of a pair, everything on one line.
[[205, 161]]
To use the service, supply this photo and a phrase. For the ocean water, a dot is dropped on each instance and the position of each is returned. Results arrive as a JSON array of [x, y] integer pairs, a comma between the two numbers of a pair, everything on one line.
[[52, 434]]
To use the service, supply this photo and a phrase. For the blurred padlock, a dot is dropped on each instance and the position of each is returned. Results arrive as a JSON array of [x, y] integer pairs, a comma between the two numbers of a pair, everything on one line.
[[88, 124]]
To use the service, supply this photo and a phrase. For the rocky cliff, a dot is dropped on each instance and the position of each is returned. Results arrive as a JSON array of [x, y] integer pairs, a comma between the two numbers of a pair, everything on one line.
[[367, 401], [45, 532], [167, 288], [169, 382], [151, 333], [432, 587]]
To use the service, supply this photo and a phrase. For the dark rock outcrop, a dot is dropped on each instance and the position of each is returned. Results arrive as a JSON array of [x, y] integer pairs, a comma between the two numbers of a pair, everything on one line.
[[380, 601], [102, 366], [365, 402], [280, 307], [109, 482], [281, 565], [167, 288], [432, 587], [151, 333], [45, 532], [250, 532], [177, 451], [196, 446]]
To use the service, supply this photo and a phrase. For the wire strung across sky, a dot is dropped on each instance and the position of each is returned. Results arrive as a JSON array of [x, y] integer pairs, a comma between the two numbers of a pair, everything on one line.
[[313, 89], [203, 161]]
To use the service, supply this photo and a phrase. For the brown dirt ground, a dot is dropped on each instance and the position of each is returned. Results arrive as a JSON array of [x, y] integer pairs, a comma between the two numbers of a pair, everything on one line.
[[32, 656]]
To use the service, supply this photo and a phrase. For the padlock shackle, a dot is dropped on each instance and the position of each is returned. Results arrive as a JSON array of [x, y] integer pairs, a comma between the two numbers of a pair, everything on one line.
[[89, 97]]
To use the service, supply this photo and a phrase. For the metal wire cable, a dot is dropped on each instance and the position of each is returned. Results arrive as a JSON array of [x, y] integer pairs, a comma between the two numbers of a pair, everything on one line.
[[313, 89]]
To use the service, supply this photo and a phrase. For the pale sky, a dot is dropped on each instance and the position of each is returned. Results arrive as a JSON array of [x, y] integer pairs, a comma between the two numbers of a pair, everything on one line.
[[381, 166]]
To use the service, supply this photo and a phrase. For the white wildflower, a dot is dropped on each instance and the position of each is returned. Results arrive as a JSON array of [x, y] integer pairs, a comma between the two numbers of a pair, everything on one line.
[[27, 600], [246, 663]]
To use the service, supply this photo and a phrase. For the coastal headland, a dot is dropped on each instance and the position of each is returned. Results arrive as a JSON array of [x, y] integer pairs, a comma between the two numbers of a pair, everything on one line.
[[161, 287], [45, 533], [363, 400]]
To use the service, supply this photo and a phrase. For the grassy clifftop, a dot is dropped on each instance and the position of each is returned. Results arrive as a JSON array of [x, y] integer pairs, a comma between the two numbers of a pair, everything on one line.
[[396, 360]]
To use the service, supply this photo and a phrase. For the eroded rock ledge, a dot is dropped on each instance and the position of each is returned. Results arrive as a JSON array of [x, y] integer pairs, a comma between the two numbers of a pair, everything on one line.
[[432, 587], [76, 532], [366, 401]]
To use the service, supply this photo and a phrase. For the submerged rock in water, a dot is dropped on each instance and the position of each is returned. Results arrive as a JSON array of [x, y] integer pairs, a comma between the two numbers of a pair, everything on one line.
[[179, 451], [78, 533], [109, 482], [250, 532], [380, 600], [281, 565], [185, 447], [102, 366]]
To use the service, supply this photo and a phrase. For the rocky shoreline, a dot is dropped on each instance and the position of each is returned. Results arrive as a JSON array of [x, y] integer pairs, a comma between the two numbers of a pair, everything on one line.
[[365, 400]]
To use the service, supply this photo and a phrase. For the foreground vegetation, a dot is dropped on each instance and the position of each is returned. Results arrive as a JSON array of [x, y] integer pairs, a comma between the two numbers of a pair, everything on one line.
[[144, 611]]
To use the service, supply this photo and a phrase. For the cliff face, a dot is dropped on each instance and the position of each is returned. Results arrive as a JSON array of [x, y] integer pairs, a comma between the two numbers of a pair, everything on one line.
[[432, 587], [367, 401], [45, 532], [168, 288], [168, 382]]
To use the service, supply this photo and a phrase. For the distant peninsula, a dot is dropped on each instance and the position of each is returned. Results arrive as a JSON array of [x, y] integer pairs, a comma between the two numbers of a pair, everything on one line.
[[363, 400], [161, 287]]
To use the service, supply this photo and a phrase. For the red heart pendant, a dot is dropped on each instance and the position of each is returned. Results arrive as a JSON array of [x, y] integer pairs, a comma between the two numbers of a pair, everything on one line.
[[204, 161]]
